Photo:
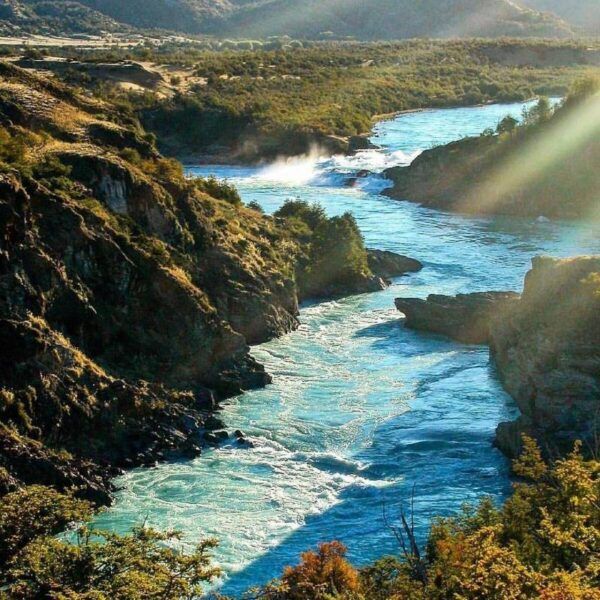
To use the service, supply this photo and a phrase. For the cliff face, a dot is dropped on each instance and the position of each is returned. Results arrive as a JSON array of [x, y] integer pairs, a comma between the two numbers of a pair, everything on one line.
[[127, 295], [547, 349]]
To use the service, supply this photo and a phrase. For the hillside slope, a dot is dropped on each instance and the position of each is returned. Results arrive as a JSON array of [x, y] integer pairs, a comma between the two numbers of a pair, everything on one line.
[[547, 167], [582, 13], [394, 19], [370, 19], [127, 294], [53, 18]]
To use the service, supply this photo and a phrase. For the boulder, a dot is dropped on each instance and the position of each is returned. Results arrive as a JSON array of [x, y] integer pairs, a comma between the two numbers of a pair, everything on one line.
[[360, 142], [465, 318], [386, 264], [213, 423]]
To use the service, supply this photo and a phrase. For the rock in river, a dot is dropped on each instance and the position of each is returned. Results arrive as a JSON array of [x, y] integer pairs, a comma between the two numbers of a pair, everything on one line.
[[465, 317]]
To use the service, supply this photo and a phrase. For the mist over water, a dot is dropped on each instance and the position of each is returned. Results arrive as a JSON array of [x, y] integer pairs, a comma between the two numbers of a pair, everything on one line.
[[361, 409]]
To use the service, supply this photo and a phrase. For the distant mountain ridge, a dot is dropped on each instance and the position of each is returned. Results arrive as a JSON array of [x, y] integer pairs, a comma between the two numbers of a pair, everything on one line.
[[583, 13], [365, 19]]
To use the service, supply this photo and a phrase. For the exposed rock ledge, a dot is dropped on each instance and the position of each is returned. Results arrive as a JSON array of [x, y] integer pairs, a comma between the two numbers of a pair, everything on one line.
[[388, 264], [465, 318]]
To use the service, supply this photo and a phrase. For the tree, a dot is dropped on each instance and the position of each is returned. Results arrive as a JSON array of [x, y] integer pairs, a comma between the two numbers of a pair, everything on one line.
[[312, 215], [507, 125], [338, 253], [539, 113], [321, 575]]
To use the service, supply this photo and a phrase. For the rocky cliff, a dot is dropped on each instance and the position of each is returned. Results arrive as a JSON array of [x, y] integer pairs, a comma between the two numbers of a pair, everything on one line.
[[545, 344], [128, 296], [547, 350]]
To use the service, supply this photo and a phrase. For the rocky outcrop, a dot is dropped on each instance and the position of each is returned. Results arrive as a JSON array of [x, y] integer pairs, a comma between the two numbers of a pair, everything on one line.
[[547, 350], [356, 143], [383, 265], [128, 295], [518, 173], [465, 317], [387, 265]]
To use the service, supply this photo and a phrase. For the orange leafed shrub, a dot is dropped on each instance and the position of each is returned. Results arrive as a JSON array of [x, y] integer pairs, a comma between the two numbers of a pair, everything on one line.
[[321, 574]]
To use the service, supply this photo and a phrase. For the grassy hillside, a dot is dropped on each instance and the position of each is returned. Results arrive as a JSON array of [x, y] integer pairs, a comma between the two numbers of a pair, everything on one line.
[[250, 105]]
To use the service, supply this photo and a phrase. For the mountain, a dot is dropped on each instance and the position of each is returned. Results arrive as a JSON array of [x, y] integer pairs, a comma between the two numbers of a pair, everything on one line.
[[53, 17], [582, 13], [392, 19], [364, 19]]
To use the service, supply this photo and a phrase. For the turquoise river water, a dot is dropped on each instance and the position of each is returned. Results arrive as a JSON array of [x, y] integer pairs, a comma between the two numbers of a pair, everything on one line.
[[361, 409]]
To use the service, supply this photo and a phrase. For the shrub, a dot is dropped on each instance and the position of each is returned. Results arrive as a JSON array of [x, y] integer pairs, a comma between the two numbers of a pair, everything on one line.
[[255, 206], [97, 564], [221, 190], [321, 575], [338, 251], [313, 215]]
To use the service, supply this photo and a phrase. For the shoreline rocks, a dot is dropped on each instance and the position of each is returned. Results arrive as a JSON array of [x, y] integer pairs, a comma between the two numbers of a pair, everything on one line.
[[465, 318], [544, 343]]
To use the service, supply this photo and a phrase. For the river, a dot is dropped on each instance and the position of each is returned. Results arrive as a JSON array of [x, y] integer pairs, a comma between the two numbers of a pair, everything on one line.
[[362, 411]]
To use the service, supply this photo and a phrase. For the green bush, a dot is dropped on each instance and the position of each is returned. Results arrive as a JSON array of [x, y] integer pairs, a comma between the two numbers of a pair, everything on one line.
[[313, 215], [144, 564], [338, 252], [221, 190]]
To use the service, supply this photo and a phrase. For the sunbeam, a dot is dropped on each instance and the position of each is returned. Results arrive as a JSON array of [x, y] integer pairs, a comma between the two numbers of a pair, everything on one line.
[[574, 132]]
